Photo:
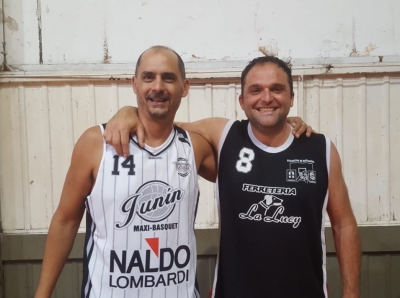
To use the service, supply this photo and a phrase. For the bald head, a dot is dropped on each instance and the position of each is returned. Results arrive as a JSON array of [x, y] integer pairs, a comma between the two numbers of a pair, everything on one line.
[[156, 49]]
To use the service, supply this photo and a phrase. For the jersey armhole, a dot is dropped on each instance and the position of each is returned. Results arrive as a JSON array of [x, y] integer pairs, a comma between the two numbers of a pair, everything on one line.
[[104, 144], [328, 154], [227, 127]]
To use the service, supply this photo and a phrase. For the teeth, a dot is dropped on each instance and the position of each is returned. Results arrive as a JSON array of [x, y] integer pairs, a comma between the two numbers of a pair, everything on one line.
[[266, 109]]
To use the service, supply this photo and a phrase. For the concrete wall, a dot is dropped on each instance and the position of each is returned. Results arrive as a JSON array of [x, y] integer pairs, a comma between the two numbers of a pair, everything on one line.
[[56, 32]]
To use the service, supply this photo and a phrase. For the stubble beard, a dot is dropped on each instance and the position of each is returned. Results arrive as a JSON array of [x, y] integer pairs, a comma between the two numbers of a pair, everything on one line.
[[158, 115], [269, 125]]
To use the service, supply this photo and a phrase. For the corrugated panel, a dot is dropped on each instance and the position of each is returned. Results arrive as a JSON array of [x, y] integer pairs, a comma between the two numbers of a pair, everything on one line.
[[379, 277], [21, 280], [359, 115], [39, 124]]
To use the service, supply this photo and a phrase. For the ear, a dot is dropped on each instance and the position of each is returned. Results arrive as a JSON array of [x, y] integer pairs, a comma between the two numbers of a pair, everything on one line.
[[292, 100], [186, 86], [133, 82], [241, 99]]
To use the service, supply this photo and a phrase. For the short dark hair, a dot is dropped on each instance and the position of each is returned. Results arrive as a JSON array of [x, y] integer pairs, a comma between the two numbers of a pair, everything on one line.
[[181, 65], [286, 67]]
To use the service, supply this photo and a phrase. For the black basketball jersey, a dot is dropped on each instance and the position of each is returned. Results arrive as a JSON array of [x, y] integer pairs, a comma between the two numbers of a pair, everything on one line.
[[140, 216], [272, 204]]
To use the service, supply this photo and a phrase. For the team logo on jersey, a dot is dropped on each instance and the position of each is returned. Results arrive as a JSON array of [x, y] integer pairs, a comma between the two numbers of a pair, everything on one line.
[[301, 170], [182, 166], [270, 210], [154, 201]]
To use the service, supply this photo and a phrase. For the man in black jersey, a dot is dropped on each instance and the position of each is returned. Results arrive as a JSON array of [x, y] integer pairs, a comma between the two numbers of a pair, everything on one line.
[[274, 192]]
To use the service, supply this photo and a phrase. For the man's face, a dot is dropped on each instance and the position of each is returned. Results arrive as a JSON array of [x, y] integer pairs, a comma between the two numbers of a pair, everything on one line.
[[159, 86], [266, 98]]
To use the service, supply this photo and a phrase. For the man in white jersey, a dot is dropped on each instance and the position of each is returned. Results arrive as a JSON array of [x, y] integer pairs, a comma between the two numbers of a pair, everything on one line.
[[273, 194], [141, 209]]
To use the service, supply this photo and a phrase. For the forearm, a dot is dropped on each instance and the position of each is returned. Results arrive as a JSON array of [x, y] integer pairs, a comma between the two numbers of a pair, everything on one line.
[[347, 244], [59, 243]]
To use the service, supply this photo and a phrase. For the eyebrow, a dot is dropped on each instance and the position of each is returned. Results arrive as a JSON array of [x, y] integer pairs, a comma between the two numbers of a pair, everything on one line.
[[164, 74], [169, 74], [254, 86], [144, 73], [273, 85]]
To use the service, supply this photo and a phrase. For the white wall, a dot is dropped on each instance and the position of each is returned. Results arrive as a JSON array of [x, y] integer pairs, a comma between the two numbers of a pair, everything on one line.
[[109, 31]]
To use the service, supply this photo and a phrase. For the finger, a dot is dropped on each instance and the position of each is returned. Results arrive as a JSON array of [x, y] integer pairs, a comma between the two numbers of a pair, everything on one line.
[[125, 142], [302, 129], [293, 125], [297, 128], [140, 134], [106, 136], [116, 143], [309, 131], [298, 124], [140, 137]]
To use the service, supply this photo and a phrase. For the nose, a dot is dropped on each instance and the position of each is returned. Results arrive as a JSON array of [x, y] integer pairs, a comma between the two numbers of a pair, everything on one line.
[[266, 95], [158, 85]]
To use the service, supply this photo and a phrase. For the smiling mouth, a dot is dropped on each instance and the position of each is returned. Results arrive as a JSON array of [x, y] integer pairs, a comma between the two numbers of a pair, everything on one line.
[[266, 109], [158, 96], [157, 99]]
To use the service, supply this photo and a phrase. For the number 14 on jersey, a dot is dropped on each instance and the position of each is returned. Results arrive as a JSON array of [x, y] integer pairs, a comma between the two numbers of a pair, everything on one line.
[[128, 163]]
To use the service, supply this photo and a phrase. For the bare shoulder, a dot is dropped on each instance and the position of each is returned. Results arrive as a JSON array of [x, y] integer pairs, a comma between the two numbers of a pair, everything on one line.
[[339, 207], [91, 135], [335, 161], [88, 149]]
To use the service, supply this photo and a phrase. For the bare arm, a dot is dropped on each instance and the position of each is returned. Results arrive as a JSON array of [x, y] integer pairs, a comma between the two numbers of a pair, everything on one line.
[[210, 129], [126, 122], [66, 219], [344, 228], [205, 157]]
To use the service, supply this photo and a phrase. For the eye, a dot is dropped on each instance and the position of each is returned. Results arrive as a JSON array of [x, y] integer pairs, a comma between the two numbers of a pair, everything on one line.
[[147, 77], [169, 78], [254, 90], [278, 89]]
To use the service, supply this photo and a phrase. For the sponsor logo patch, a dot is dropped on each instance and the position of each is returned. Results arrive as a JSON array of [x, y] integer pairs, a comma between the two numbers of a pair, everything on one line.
[[301, 170]]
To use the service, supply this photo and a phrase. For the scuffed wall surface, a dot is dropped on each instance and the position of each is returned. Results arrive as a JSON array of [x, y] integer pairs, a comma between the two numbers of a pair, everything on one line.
[[60, 32]]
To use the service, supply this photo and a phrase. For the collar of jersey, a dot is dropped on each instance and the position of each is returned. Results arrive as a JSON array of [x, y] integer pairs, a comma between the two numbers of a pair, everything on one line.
[[269, 149], [157, 150]]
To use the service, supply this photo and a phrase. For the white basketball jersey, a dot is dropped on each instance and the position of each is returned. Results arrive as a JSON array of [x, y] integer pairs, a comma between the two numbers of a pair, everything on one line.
[[140, 238]]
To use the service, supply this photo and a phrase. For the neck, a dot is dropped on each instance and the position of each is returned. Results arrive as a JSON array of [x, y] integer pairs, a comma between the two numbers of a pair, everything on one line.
[[156, 131], [272, 137]]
